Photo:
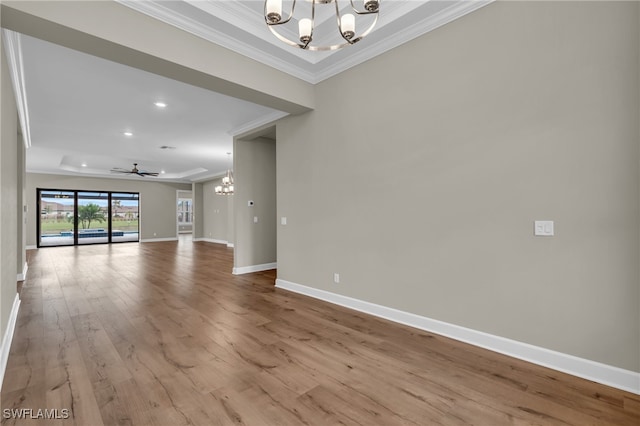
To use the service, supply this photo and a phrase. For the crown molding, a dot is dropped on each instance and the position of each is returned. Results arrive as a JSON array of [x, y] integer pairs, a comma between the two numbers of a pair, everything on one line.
[[242, 17], [446, 16], [164, 14], [258, 122], [13, 49]]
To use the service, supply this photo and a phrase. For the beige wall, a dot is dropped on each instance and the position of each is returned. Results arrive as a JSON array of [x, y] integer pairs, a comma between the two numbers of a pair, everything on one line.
[[158, 212], [420, 173], [9, 188], [255, 179]]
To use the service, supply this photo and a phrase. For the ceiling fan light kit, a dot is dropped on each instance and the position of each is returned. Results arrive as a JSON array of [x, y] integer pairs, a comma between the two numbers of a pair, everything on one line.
[[346, 22]]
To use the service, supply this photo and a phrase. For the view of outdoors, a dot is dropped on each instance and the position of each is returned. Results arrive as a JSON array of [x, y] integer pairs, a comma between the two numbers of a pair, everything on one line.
[[58, 217]]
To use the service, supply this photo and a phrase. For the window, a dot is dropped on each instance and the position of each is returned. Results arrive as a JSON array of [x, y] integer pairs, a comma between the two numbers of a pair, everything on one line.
[[185, 211]]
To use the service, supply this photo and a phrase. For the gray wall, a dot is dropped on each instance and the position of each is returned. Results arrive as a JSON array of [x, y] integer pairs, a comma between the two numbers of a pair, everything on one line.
[[9, 188], [21, 224], [216, 222], [421, 185], [255, 179], [196, 190], [158, 212]]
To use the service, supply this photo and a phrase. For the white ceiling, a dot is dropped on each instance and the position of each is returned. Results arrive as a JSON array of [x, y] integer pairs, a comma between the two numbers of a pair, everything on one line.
[[76, 107]]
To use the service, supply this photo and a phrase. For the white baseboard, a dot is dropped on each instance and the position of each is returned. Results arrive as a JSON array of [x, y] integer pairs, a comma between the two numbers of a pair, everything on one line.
[[23, 275], [157, 240], [211, 240], [8, 337], [254, 268], [602, 373], [230, 245], [31, 247]]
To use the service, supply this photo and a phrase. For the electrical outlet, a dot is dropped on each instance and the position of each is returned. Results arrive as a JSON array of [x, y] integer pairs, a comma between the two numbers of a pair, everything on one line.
[[336, 278]]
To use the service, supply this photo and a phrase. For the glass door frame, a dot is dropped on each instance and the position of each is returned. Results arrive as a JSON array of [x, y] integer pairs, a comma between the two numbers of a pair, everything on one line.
[[75, 192]]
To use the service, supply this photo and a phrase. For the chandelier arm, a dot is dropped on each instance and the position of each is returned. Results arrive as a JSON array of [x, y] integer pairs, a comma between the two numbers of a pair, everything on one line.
[[313, 23], [284, 39], [339, 18], [366, 33]]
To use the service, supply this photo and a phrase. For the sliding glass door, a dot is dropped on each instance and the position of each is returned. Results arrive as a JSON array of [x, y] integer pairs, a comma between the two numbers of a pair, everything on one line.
[[93, 215], [56, 218], [86, 217], [124, 217]]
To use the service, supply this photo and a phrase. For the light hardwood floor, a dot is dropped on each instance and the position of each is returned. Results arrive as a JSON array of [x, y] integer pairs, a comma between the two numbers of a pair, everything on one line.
[[162, 333]]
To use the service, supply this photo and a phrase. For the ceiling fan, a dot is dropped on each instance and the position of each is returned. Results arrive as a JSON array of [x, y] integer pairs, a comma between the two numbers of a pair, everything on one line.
[[133, 171]]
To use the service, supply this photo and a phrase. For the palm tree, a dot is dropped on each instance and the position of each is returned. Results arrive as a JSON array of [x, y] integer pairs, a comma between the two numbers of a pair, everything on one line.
[[88, 213], [116, 205]]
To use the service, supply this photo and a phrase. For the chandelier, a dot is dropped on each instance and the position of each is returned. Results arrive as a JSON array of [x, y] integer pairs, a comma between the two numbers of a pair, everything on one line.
[[346, 23], [227, 182]]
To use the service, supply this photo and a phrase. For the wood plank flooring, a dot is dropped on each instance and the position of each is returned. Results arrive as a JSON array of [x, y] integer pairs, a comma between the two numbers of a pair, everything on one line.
[[163, 334]]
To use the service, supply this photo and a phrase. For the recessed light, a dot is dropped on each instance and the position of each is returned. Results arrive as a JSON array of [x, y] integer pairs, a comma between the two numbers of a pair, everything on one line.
[[84, 164], [128, 134], [160, 104], [161, 172]]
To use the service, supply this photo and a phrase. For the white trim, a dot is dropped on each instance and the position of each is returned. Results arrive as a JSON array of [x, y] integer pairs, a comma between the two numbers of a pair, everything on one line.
[[238, 15], [254, 268], [31, 247], [230, 245], [598, 372], [211, 240], [23, 275], [13, 47], [157, 240], [450, 14], [156, 10], [258, 122], [8, 337]]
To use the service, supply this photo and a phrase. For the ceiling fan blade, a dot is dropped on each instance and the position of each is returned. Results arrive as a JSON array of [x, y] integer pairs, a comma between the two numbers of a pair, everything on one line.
[[120, 171], [147, 174]]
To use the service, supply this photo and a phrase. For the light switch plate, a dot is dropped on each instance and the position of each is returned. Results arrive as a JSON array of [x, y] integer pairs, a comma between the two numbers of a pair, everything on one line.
[[543, 228], [283, 220]]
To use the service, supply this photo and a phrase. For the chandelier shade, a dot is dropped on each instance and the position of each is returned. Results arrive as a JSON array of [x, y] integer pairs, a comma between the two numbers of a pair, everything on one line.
[[346, 23], [227, 182]]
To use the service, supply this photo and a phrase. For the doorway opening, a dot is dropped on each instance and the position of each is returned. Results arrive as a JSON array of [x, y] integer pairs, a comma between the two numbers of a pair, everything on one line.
[[185, 212]]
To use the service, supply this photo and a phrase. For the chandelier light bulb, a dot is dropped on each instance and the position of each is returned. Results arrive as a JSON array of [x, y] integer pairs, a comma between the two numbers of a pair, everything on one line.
[[305, 26], [348, 26], [274, 10]]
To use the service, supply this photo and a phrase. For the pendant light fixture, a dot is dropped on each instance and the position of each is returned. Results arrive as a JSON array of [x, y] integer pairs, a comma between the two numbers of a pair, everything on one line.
[[346, 22], [227, 181]]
